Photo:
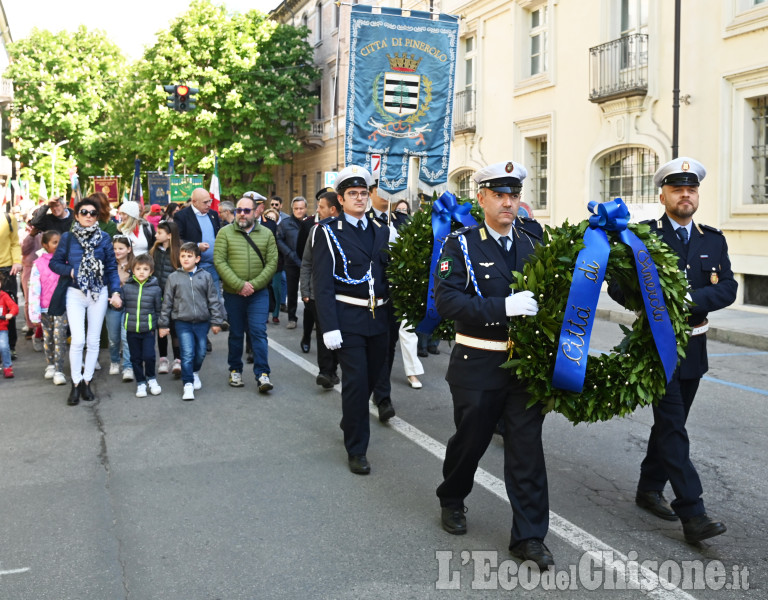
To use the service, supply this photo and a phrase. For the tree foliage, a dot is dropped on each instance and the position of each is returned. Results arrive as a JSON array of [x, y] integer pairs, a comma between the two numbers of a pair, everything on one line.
[[64, 87], [254, 78]]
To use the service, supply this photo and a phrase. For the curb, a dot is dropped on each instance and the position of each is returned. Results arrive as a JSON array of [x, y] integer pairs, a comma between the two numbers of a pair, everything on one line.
[[728, 336]]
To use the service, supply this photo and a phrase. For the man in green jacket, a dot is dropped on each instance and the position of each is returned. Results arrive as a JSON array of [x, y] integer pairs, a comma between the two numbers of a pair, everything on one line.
[[245, 256]]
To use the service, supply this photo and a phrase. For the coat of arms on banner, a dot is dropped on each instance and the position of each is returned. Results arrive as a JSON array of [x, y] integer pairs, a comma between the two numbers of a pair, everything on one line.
[[401, 105]]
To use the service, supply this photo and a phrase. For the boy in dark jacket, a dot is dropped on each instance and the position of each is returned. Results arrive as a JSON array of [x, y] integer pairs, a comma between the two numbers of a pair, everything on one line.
[[142, 299], [190, 299]]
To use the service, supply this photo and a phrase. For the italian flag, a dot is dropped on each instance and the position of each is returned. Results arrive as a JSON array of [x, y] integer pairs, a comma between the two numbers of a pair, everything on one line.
[[215, 190]]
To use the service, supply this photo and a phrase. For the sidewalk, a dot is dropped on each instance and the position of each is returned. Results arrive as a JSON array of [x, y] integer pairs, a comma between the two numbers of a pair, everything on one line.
[[743, 327]]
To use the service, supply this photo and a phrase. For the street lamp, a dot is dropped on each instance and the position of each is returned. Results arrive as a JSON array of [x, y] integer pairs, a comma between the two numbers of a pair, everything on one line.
[[53, 163]]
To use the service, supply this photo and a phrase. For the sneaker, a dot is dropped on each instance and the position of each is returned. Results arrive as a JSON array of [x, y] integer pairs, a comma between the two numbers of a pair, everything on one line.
[[264, 383], [114, 368], [176, 368], [8, 373], [59, 378], [37, 344], [291, 325], [197, 384], [163, 366], [235, 379], [189, 391], [49, 371], [141, 390], [154, 388], [128, 374]]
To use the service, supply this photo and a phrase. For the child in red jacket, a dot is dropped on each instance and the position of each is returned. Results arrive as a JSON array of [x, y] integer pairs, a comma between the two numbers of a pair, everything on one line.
[[8, 310]]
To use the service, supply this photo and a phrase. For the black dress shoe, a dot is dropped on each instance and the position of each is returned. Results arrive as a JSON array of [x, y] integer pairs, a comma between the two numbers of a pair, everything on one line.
[[85, 391], [655, 503], [305, 346], [325, 381], [335, 379], [422, 353], [386, 410], [534, 550], [359, 465], [74, 395], [701, 527], [453, 520]]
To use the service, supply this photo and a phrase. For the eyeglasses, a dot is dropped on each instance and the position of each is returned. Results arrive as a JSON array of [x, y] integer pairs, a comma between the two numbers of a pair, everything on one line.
[[354, 195], [84, 212], [243, 211]]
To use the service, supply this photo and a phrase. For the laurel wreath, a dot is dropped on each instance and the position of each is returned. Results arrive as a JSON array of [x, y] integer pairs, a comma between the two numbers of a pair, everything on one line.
[[408, 271], [632, 374]]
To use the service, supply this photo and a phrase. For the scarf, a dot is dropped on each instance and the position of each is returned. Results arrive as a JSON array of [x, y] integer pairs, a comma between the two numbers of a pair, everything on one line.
[[90, 274]]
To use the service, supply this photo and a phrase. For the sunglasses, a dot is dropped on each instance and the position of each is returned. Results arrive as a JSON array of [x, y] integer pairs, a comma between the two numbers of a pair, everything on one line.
[[275, 204], [84, 212], [243, 211]]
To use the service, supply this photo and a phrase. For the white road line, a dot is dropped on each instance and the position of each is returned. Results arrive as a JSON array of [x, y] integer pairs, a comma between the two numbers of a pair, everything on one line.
[[14, 571], [650, 583]]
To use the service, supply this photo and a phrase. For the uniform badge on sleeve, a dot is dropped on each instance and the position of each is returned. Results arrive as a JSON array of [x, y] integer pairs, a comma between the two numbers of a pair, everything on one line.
[[445, 267], [713, 278]]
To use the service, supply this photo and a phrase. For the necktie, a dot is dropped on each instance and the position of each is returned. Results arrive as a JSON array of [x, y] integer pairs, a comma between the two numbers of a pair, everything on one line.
[[360, 225], [504, 242], [682, 233]]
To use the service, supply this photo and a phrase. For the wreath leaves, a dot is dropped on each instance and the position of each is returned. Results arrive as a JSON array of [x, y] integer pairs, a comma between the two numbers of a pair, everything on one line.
[[615, 384]]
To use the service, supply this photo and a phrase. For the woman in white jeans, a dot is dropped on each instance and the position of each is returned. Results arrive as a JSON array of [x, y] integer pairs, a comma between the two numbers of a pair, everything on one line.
[[86, 257]]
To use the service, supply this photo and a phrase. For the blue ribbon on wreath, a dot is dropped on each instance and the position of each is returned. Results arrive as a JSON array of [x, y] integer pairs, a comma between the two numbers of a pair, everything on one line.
[[445, 210], [588, 276]]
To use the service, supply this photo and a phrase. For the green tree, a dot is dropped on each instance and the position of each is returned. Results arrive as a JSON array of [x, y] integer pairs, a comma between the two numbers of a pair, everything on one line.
[[64, 87], [254, 78]]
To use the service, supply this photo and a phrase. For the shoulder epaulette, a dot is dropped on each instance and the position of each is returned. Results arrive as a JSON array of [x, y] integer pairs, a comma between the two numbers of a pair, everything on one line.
[[529, 232], [710, 228], [460, 231], [526, 219]]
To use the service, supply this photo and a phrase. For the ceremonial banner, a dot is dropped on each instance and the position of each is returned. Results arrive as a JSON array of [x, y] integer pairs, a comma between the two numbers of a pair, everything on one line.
[[182, 186], [109, 186], [400, 95], [137, 194], [159, 188]]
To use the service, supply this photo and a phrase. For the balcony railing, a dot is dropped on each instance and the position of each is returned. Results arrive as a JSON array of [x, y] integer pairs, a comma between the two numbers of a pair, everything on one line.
[[619, 69], [313, 137], [464, 109]]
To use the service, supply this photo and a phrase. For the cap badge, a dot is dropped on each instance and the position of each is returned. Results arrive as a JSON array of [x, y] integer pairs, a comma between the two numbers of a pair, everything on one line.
[[685, 166], [509, 167]]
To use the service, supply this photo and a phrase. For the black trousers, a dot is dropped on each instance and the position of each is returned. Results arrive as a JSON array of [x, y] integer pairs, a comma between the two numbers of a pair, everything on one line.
[[308, 323], [142, 349], [668, 455], [360, 358], [11, 287], [475, 413], [383, 388], [326, 359], [292, 283]]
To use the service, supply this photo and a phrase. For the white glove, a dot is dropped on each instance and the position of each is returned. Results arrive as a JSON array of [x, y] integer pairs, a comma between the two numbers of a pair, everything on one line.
[[332, 339], [522, 303]]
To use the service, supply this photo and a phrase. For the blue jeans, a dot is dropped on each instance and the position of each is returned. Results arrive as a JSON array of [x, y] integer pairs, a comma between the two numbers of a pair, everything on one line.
[[117, 339], [192, 338], [278, 290], [5, 348], [251, 312], [143, 356]]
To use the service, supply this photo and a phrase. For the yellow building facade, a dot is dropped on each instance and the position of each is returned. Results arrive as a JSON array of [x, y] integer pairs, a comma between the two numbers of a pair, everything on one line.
[[582, 93]]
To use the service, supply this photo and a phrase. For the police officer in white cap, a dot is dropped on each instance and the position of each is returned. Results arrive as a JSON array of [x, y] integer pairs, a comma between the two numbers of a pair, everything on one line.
[[703, 255], [350, 286], [472, 287]]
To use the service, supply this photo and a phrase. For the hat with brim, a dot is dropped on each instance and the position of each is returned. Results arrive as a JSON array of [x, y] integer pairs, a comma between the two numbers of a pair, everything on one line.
[[507, 185], [353, 176]]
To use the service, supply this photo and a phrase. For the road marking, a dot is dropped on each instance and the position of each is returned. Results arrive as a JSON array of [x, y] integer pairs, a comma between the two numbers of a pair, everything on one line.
[[14, 571], [651, 584], [711, 354]]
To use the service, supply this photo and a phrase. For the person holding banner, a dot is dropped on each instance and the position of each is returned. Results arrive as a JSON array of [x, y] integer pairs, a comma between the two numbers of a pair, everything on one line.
[[703, 255], [472, 286], [350, 286]]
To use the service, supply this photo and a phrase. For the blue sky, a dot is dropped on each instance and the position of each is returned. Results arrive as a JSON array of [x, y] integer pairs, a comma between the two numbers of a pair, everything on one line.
[[131, 25]]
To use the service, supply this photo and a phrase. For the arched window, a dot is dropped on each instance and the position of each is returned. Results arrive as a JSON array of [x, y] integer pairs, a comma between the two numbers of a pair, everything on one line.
[[628, 174], [465, 186]]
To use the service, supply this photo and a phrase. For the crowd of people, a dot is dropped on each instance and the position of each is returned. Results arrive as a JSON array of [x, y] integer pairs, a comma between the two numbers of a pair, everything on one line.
[[183, 273]]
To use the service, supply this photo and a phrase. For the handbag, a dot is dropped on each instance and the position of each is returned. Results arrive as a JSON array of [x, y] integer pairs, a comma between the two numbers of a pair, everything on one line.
[[58, 304]]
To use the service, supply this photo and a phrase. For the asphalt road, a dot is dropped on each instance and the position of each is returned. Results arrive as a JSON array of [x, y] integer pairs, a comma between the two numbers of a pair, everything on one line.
[[239, 495]]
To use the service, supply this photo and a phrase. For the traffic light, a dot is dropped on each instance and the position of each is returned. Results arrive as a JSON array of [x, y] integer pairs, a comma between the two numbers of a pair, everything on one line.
[[171, 98], [181, 97]]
